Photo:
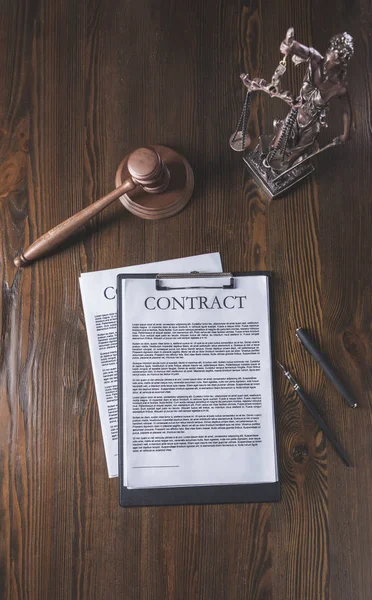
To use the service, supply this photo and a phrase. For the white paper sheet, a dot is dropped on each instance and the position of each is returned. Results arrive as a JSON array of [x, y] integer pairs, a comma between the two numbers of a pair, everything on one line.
[[198, 385], [98, 291]]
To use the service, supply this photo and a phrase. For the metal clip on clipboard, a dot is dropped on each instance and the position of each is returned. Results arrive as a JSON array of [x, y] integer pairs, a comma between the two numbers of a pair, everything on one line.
[[194, 275]]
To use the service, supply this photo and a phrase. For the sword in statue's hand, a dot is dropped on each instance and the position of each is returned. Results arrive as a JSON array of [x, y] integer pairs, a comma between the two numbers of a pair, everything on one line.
[[334, 142]]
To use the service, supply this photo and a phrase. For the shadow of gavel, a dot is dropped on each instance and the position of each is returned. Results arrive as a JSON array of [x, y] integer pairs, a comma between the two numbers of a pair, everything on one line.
[[153, 182]]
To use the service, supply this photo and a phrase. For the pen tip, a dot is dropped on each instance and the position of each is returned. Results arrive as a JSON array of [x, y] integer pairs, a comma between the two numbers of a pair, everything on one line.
[[355, 405], [280, 365]]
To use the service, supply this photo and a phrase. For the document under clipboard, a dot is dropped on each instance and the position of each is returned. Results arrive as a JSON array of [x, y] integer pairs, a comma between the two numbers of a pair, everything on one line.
[[163, 286]]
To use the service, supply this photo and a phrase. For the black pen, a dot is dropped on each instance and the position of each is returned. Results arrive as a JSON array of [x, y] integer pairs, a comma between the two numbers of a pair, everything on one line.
[[316, 416], [321, 359]]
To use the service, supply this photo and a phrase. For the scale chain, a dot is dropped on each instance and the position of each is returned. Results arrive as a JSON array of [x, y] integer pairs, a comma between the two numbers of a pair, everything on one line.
[[243, 120]]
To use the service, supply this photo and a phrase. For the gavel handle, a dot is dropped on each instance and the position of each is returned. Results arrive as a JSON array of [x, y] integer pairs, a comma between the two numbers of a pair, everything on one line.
[[64, 230]]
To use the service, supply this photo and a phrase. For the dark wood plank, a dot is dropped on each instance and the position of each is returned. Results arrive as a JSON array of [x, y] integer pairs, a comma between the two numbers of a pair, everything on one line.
[[345, 251], [83, 83], [320, 249], [300, 523]]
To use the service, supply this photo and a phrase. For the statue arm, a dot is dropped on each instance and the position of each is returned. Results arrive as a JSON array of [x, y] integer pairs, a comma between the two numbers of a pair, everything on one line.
[[292, 47], [347, 117]]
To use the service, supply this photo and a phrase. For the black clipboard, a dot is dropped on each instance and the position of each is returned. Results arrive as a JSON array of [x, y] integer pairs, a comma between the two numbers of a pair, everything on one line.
[[218, 494]]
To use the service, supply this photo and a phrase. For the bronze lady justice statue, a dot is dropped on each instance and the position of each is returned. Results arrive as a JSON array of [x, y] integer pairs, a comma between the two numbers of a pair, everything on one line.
[[279, 162]]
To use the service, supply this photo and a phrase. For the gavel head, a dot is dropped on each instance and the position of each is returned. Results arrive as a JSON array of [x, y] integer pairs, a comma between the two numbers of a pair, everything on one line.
[[147, 168], [165, 182]]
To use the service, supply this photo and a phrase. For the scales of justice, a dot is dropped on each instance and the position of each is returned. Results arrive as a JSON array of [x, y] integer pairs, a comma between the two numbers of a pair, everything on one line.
[[282, 159]]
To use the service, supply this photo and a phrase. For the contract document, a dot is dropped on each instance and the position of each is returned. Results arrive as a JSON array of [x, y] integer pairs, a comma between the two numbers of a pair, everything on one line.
[[195, 382], [98, 291]]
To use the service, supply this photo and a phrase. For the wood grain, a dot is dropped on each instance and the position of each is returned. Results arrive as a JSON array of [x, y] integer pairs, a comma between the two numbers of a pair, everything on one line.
[[83, 84]]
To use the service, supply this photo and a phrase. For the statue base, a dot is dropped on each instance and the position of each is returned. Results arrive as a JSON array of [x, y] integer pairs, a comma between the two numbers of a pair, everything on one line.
[[266, 178]]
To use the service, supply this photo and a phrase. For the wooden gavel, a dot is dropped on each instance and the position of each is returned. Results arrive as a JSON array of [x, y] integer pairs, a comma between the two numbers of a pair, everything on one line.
[[160, 182]]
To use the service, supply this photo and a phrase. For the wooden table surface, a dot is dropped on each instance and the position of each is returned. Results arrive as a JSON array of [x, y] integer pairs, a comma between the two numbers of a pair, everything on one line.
[[82, 84]]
